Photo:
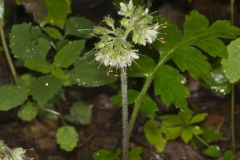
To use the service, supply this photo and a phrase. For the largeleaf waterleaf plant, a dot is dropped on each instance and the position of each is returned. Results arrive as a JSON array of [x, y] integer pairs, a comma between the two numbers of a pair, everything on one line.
[[116, 49]]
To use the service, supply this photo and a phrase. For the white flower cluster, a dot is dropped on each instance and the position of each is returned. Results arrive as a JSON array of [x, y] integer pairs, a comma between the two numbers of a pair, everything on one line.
[[114, 48]]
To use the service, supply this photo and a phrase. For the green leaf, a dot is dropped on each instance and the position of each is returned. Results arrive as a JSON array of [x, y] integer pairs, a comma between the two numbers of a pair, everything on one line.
[[28, 112], [44, 88], [229, 155], [2, 10], [53, 33], [58, 11], [210, 135], [88, 74], [172, 133], [67, 138], [80, 113], [198, 118], [69, 54], [148, 106], [231, 65], [154, 135], [186, 135], [26, 42], [212, 151], [26, 80], [169, 85], [142, 67], [106, 155], [196, 130], [218, 82], [79, 27], [38, 65], [191, 60], [135, 153], [11, 96]]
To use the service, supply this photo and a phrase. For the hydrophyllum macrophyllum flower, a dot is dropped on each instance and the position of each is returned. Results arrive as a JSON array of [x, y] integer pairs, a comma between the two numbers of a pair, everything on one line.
[[115, 48]]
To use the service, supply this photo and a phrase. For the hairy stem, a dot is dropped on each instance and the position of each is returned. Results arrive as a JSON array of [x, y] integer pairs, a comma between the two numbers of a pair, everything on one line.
[[7, 53], [233, 118], [125, 140]]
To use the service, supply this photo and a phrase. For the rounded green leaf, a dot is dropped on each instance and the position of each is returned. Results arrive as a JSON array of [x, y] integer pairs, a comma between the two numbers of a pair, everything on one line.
[[44, 88], [11, 96], [79, 27], [88, 74], [28, 111], [212, 151], [80, 113], [106, 154], [53, 33], [69, 54], [67, 138], [231, 65]]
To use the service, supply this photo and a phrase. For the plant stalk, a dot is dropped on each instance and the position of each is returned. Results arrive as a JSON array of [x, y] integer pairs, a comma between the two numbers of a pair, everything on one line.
[[125, 139], [7, 53], [233, 91], [233, 118], [232, 10]]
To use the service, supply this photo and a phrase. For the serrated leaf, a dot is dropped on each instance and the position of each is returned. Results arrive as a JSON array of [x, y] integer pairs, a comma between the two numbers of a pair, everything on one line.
[[58, 11], [198, 118], [168, 84], [26, 42], [11, 96], [154, 135], [231, 65], [79, 27], [106, 154], [28, 111], [38, 65], [69, 54], [87, 74], [135, 153], [212, 151], [26, 80], [67, 138], [80, 113], [148, 106], [186, 135], [141, 67], [53, 33], [191, 60], [44, 88]]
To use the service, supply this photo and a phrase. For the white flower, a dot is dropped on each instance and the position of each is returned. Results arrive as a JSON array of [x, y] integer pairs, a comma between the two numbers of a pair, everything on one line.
[[117, 59], [146, 35], [18, 153], [126, 9]]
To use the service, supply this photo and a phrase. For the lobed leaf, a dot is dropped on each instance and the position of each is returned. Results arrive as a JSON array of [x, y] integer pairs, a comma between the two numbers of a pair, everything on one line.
[[169, 85]]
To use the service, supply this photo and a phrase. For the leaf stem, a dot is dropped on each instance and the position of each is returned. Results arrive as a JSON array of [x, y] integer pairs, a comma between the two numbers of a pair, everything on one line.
[[233, 118], [125, 139], [202, 141], [7, 53], [232, 10]]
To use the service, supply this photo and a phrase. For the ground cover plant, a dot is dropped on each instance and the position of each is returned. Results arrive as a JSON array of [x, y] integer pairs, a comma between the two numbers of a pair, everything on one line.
[[57, 52]]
